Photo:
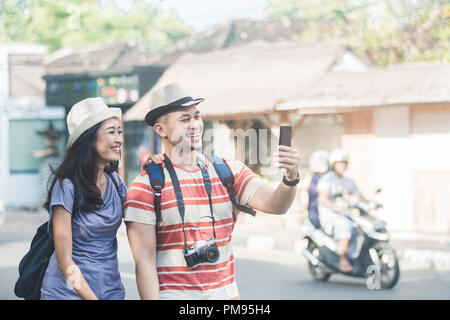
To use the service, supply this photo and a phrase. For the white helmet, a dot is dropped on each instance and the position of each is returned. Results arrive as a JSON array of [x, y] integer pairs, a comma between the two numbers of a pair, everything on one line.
[[318, 162], [337, 155]]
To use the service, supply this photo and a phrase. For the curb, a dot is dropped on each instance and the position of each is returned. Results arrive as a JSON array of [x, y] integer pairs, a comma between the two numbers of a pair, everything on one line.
[[410, 257], [265, 233]]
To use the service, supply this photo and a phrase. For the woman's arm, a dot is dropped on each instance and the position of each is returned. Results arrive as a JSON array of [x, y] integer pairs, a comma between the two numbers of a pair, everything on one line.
[[62, 237], [142, 239]]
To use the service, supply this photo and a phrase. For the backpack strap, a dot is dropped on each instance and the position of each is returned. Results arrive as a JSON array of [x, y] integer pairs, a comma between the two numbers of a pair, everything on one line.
[[76, 192], [76, 196], [226, 176], [156, 176], [178, 194], [113, 180]]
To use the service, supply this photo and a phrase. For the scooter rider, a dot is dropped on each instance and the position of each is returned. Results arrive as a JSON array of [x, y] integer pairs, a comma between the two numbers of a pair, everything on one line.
[[332, 209], [318, 164]]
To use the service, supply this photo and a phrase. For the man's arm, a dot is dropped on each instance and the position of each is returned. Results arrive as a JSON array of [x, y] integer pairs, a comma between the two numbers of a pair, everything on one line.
[[326, 202], [142, 239], [278, 200], [273, 200]]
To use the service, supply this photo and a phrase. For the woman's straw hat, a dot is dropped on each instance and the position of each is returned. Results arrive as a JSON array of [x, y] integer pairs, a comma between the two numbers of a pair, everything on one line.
[[86, 114]]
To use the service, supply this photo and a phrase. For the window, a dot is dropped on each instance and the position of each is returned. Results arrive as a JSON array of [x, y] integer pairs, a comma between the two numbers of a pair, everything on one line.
[[136, 134], [24, 141]]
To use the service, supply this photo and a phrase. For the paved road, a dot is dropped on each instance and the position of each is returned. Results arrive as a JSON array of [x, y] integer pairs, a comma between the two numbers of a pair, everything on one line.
[[273, 274]]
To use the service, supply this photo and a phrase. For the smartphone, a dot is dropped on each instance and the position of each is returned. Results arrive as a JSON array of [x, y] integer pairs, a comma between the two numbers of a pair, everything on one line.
[[285, 136]]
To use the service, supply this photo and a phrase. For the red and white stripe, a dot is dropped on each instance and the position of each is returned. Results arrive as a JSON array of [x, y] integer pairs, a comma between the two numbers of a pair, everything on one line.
[[205, 281]]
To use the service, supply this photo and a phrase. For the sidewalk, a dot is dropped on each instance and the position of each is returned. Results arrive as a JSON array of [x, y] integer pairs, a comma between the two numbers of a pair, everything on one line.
[[267, 232]]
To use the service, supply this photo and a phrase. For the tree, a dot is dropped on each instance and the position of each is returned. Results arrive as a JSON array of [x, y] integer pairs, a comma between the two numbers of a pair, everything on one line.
[[64, 23], [384, 31]]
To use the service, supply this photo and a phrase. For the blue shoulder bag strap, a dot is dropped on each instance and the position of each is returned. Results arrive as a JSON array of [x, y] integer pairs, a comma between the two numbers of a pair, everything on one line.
[[156, 176], [227, 178]]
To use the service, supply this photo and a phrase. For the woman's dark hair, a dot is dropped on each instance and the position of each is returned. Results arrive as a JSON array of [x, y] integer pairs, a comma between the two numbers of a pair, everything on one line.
[[80, 165]]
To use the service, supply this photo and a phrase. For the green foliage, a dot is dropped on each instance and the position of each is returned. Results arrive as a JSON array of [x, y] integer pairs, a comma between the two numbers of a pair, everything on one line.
[[385, 31], [278, 9], [74, 23]]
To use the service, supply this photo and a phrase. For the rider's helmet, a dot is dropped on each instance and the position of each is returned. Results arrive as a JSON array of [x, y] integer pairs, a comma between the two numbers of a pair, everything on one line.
[[337, 155], [318, 162]]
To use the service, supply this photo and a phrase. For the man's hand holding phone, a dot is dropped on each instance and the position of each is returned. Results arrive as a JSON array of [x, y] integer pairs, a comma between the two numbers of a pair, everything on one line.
[[287, 158]]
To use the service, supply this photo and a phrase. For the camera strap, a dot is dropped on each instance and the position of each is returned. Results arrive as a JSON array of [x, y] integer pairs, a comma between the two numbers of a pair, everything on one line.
[[207, 183], [179, 195]]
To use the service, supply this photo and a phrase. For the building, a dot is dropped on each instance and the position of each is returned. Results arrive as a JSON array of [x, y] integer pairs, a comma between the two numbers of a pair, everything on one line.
[[118, 72], [396, 127], [23, 113], [393, 121], [122, 72], [242, 85]]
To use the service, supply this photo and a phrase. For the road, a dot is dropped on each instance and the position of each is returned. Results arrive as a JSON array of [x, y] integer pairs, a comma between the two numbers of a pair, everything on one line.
[[268, 274]]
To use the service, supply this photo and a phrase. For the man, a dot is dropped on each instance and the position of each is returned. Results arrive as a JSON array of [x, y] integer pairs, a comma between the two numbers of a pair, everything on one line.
[[159, 249], [336, 192]]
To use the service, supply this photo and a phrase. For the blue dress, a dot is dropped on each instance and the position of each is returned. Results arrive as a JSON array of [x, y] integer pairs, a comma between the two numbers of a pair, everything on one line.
[[94, 248]]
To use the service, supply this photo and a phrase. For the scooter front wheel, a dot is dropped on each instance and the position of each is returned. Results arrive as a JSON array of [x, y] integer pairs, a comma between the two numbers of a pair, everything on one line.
[[318, 273], [389, 267]]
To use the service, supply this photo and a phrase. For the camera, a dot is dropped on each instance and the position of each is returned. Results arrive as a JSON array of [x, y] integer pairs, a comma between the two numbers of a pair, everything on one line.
[[202, 251]]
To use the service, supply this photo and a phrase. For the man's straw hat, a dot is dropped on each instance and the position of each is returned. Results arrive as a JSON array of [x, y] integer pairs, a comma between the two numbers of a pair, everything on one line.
[[166, 99]]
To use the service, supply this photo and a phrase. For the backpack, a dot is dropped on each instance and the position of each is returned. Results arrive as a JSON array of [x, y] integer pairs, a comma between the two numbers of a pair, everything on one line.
[[33, 265], [155, 173]]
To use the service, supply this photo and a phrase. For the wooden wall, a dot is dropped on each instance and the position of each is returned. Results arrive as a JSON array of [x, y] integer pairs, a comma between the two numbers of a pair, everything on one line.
[[359, 141], [430, 145], [432, 202]]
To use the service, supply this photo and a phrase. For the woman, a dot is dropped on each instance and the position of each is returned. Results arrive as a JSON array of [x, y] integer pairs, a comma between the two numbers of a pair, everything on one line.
[[318, 164], [84, 264]]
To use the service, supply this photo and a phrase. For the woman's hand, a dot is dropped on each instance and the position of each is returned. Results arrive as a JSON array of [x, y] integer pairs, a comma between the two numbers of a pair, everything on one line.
[[147, 157], [156, 158]]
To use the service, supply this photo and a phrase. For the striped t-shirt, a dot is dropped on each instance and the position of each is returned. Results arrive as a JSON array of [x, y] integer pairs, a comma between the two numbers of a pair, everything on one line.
[[176, 279]]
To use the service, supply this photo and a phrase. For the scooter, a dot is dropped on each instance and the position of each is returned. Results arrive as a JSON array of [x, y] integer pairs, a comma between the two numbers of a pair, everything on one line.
[[372, 258]]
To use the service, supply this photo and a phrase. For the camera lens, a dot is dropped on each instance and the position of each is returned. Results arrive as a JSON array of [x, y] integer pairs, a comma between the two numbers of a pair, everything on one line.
[[209, 253], [213, 254]]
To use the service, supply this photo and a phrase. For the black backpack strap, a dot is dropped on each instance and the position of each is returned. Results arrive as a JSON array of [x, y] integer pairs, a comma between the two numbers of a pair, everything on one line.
[[76, 192], [226, 176], [156, 176], [76, 196], [178, 193], [113, 180]]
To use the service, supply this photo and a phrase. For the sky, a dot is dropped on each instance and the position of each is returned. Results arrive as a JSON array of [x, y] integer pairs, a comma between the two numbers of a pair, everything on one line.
[[202, 14]]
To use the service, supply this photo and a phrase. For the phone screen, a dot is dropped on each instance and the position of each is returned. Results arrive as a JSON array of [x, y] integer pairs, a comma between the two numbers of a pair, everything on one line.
[[285, 135]]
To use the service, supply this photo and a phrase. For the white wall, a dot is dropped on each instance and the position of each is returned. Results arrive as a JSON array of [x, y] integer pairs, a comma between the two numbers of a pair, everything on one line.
[[430, 141], [3, 153], [19, 190], [318, 132], [349, 62], [393, 166], [14, 48]]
